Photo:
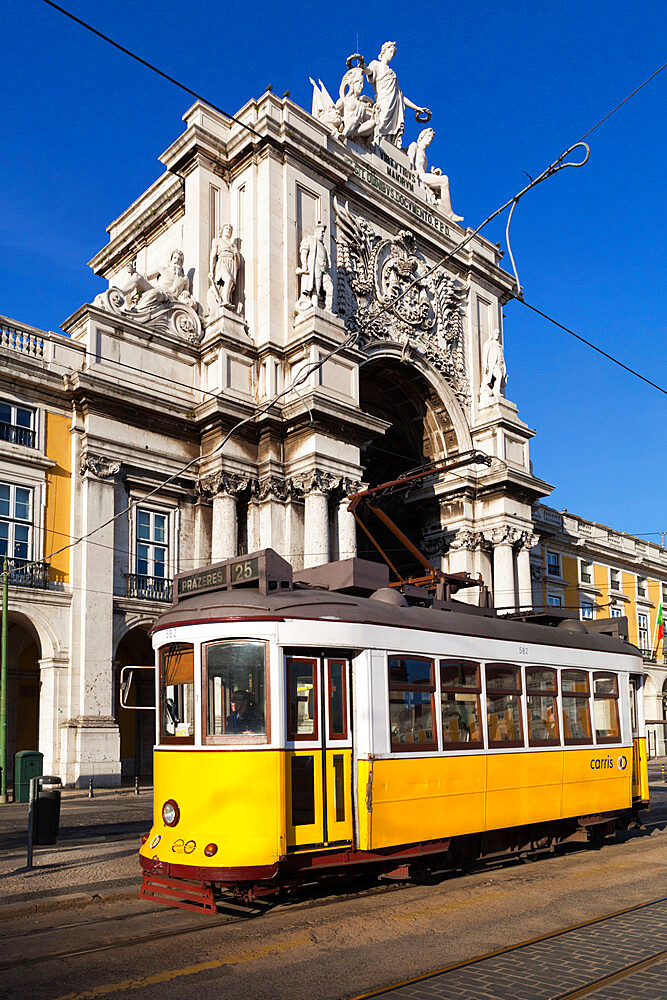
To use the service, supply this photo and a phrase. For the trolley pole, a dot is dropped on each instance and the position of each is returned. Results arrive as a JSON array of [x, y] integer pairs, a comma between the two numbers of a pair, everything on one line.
[[3, 686]]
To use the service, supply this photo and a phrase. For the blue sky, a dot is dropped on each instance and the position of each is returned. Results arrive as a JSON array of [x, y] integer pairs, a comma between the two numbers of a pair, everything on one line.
[[511, 85]]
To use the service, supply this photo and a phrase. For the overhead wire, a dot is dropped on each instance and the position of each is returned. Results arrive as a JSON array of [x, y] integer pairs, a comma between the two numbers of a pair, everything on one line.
[[554, 167], [155, 69]]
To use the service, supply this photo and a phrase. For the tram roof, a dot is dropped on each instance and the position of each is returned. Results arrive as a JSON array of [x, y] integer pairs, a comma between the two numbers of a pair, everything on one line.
[[309, 603]]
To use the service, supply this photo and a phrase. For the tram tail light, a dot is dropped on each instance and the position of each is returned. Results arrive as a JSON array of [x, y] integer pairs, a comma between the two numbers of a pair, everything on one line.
[[145, 838], [170, 813], [210, 850]]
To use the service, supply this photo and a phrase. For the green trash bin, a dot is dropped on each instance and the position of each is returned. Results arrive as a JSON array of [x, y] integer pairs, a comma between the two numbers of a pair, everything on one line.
[[27, 764]]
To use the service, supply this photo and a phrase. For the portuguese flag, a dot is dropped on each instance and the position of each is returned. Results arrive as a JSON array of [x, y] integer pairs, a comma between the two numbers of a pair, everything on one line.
[[660, 624]]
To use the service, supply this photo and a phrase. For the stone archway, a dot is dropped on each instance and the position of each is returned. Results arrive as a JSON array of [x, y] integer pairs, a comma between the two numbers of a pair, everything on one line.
[[136, 726], [24, 651], [427, 424]]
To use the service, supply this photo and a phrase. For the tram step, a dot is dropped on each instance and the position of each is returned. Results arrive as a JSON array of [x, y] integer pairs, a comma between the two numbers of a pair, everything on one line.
[[178, 892]]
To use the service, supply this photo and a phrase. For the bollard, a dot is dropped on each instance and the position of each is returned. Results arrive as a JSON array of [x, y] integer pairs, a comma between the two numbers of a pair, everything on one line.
[[662, 771], [136, 785], [43, 813], [90, 788]]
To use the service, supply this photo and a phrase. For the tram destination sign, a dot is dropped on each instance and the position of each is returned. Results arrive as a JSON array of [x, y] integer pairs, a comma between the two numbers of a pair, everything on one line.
[[219, 577]]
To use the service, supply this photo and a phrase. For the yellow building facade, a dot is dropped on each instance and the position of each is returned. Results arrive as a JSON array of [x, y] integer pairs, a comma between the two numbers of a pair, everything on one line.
[[595, 572]]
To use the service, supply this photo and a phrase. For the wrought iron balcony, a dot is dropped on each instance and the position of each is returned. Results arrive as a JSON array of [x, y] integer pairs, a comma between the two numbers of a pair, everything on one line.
[[24, 573], [17, 435], [650, 655], [148, 588]]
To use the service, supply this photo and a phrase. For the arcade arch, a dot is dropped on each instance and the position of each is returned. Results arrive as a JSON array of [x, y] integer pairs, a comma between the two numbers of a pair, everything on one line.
[[427, 424], [24, 651], [136, 727]]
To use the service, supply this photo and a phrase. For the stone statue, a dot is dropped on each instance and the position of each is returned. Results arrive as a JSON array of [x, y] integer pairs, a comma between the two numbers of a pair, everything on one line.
[[355, 111], [324, 108], [314, 271], [494, 373], [436, 183], [134, 285], [172, 285], [223, 271], [390, 102]]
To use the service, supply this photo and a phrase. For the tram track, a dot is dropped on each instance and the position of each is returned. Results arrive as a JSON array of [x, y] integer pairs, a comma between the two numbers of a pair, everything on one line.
[[574, 994]]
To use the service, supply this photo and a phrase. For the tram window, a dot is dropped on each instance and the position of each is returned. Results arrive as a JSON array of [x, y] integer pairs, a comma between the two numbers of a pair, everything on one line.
[[302, 699], [177, 692], [576, 712], [411, 703], [503, 705], [459, 705], [337, 700], [605, 708], [235, 689], [541, 693]]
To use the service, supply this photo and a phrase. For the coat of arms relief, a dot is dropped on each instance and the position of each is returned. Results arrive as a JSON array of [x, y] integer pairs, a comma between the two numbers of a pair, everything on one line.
[[386, 292]]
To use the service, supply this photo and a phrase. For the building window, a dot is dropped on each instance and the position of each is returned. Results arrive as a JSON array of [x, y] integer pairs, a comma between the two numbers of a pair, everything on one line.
[[17, 424], [586, 610], [554, 601], [15, 521], [150, 579], [642, 586], [586, 572], [642, 633], [615, 579], [503, 705], [459, 705], [616, 612], [553, 563], [411, 703]]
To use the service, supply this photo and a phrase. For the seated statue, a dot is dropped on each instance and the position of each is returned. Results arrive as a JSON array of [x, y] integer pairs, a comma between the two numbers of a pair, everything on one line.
[[356, 111], [436, 183], [172, 285]]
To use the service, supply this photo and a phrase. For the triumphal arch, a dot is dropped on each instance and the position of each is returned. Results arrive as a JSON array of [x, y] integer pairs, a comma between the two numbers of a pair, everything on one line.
[[269, 242]]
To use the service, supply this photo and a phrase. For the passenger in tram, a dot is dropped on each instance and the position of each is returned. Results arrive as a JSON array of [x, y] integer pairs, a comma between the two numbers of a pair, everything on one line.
[[243, 716]]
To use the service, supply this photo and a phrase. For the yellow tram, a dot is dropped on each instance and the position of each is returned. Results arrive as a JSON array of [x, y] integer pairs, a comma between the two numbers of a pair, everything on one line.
[[306, 732]]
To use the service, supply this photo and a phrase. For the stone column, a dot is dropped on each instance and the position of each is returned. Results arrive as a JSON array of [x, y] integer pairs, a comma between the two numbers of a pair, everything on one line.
[[223, 488], [316, 488], [526, 543], [504, 593], [90, 739], [270, 496], [347, 526], [53, 673]]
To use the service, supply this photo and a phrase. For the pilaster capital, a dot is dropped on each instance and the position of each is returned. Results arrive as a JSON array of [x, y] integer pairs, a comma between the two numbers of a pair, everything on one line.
[[270, 488], [468, 539], [99, 465], [505, 535], [222, 483], [315, 482], [528, 540]]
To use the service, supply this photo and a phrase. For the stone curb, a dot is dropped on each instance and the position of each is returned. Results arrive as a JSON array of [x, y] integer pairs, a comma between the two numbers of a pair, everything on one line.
[[71, 901]]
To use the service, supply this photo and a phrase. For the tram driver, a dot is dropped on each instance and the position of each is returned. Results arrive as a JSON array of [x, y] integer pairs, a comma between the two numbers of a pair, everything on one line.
[[243, 717]]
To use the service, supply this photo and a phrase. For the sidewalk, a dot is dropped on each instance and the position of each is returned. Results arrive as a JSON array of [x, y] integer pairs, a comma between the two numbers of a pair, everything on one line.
[[96, 855]]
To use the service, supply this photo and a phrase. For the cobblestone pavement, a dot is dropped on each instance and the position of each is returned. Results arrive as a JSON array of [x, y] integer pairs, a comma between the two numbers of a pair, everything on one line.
[[547, 970]]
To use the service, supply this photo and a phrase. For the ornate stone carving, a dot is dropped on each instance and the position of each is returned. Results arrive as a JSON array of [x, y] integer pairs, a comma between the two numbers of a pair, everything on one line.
[[386, 293], [223, 271], [528, 540], [494, 373], [435, 183], [506, 535], [324, 109], [390, 102], [99, 465], [315, 481], [270, 488], [222, 482], [165, 306], [471, 540], [316, 281]]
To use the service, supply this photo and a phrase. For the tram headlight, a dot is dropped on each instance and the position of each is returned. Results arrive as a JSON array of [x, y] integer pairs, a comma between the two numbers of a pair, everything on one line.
[[170, 813]]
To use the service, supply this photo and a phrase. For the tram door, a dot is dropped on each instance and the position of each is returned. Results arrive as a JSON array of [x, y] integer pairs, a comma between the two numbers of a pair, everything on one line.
[[318, 779], [639, 763]]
